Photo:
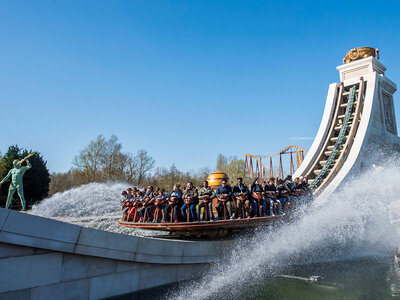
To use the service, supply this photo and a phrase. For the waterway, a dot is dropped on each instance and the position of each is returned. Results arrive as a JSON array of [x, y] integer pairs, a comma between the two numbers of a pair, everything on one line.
[[368, 278]]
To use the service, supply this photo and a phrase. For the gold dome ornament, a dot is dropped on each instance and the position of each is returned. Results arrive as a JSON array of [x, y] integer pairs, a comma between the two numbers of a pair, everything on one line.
[[360, 53], [215, 179]]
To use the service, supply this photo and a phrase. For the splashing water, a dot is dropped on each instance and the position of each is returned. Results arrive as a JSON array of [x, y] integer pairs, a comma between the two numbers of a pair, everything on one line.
[[95, 205], [356, 221], [353, 222]]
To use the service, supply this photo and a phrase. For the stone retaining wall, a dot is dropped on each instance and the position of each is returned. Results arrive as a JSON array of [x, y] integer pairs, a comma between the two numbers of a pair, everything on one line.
[[42, 258]]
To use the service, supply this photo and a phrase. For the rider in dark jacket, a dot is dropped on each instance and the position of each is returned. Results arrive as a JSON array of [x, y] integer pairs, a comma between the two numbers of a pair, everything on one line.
[[206, 191], [176, 194], [241, 189], [256, 187], [270, 196], [192, 194], [224, 189]]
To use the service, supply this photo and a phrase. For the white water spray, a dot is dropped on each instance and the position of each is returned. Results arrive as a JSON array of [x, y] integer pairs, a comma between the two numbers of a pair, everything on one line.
[[95, 205], [354, 222]]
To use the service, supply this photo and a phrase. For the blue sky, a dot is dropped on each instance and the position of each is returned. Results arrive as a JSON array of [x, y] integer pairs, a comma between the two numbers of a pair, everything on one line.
[[184, 80]]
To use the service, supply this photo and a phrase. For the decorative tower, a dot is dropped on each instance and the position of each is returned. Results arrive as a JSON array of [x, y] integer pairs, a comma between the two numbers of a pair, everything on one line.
[[358, 119]]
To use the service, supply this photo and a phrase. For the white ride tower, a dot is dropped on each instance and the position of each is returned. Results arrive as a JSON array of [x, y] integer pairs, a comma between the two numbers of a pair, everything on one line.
[[358, 120]]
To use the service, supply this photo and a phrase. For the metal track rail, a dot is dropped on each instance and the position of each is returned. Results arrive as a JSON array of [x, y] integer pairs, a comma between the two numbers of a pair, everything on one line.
[[342, 133]]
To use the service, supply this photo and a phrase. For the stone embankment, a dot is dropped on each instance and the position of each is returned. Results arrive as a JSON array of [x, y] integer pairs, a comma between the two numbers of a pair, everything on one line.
[[42, 258]]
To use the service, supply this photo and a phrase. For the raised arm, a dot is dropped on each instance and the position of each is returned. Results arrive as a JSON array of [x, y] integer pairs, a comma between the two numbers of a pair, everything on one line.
[[253, 184], [28, 165], [5, 178]]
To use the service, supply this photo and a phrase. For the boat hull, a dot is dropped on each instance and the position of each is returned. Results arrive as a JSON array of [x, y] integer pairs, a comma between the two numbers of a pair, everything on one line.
[[217, 228]]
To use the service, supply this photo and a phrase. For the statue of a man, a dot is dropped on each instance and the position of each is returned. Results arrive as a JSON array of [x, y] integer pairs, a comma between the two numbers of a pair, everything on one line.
[[16, 174]]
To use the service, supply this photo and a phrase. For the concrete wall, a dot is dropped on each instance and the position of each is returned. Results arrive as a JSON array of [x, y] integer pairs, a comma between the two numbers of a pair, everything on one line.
[[45, 259]]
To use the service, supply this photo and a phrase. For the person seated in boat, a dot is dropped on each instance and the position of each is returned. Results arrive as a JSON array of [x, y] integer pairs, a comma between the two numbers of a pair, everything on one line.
[[298, 186], [257, 198], [125, 205], [148, 204], [190, 199], [206, 194], [134, 211], [149, 192], [129, 193], [294, 189], [224, 205], [282, 194], [173, 206], [139, 195], [160, 202], [289, 186], [305, 186], [299, 191], [306, 192], [241, 194], [270, 197]]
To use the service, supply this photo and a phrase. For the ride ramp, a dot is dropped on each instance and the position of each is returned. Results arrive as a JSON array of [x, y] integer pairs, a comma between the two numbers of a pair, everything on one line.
[[358, 121]]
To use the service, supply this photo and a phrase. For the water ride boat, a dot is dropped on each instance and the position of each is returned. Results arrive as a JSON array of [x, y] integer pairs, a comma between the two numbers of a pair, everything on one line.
[[136, 214], [219, 228]]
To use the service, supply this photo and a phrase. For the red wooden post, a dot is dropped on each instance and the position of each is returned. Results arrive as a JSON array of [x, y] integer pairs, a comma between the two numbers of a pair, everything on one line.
[[291, 163], [257, 169], [271, 167], [280, 166]]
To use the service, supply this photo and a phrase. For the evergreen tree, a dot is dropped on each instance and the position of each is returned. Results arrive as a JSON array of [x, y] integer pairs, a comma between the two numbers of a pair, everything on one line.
[[36, 180]]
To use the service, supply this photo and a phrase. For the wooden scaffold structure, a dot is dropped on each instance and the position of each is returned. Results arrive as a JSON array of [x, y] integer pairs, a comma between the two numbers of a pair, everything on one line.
[[255, 166]]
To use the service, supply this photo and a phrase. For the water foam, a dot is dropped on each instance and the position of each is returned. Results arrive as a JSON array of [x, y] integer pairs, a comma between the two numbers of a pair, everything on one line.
[[353, 222], [95, 205]]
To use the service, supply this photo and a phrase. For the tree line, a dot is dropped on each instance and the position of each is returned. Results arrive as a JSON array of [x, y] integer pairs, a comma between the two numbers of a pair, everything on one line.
[[103, 160]]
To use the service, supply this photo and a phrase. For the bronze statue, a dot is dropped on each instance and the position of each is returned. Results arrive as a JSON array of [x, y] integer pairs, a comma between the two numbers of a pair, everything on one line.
[[16, 184]]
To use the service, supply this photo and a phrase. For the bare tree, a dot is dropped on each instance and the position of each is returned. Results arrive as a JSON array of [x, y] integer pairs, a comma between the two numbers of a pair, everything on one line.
[[131, 168], [89, 159], [102, 160], [144, 164], [222, 162], [112, 160]]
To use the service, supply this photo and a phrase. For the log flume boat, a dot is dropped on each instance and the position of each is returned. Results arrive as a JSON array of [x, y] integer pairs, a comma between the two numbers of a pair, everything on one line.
[[218, 228]]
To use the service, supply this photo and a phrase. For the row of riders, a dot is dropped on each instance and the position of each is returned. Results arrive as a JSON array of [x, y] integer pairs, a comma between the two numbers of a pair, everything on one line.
[[237, 203]]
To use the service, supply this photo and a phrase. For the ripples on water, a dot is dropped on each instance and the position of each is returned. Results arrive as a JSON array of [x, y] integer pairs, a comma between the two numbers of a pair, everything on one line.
[[369, 278]]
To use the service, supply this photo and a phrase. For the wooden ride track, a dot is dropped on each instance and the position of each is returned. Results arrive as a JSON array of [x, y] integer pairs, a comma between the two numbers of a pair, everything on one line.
[[260, 169], [340, 137]]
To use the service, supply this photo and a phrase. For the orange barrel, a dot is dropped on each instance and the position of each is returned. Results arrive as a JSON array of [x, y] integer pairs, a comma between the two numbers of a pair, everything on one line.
[[214, 181]]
